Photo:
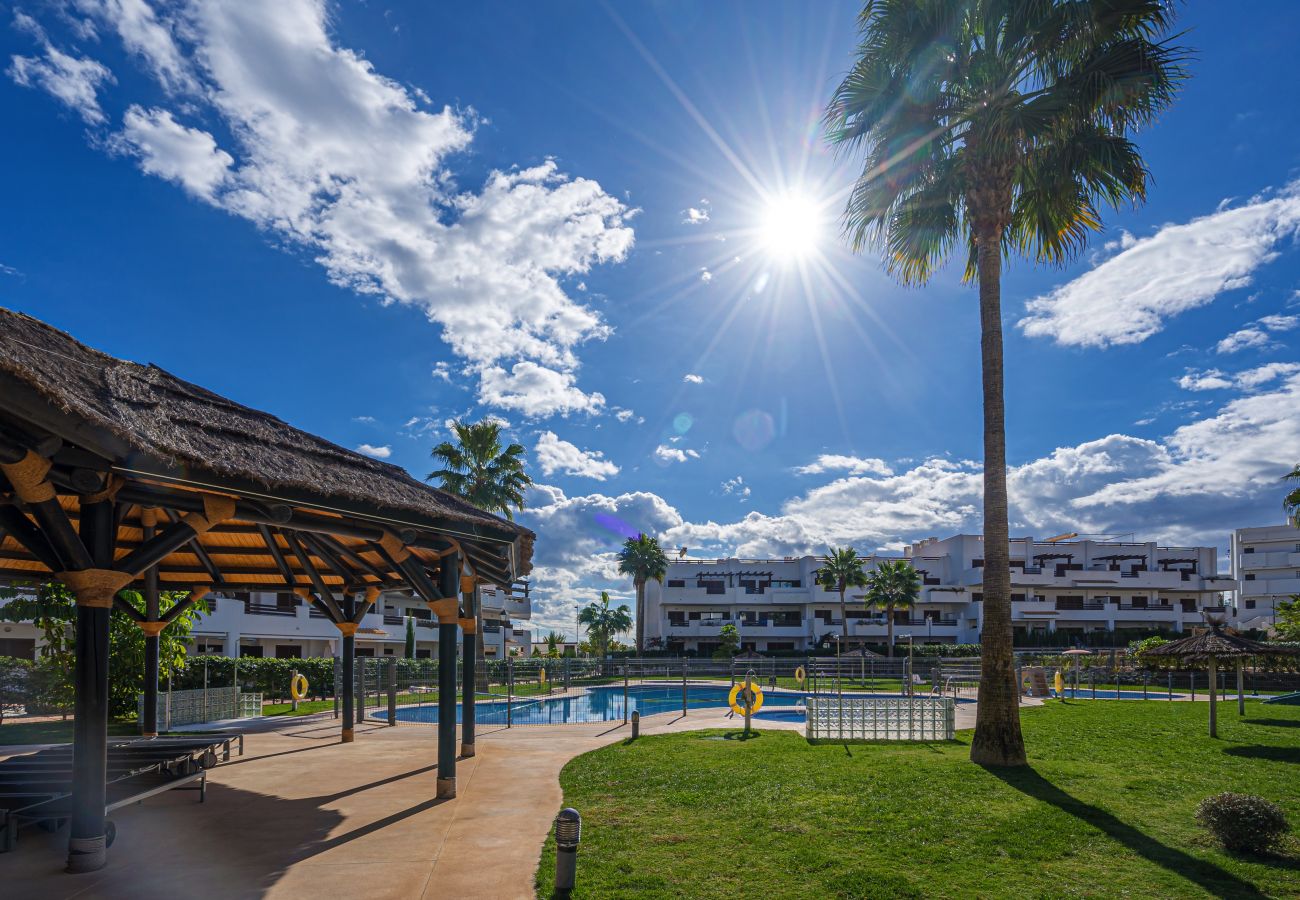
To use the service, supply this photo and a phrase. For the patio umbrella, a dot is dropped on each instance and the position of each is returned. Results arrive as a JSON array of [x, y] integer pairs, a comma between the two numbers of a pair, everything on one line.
[[1076, 653], [1213, 645]]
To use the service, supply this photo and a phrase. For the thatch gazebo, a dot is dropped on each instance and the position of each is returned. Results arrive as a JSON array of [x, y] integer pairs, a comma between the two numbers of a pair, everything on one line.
[[115, 475], [1212, 645]]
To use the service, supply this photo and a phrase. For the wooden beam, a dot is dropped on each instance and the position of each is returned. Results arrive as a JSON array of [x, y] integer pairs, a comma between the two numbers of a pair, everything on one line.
[[273, 547], [122, 606], [353, 557], [21, 529], [218, 580], [304, 560]]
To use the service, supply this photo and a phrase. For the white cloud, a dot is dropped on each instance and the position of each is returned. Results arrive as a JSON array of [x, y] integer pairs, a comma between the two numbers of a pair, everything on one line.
[[736, 486], [172, 151], [1126, 299], [692, 378], [696, 215], [535, 391], [624, 415], [1256, 334], [326, 153], [72, 80], [1215, 379], [377, 452], [556, 455], [830, 462], [666, 454], [705, 275], [364, 420], [442, 371]]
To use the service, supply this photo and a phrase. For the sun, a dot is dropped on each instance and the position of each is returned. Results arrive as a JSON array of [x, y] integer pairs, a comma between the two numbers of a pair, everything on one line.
[[791, 225]]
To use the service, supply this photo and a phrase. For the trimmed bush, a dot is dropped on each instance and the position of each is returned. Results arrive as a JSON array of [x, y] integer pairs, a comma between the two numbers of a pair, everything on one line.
[[1243, 822]]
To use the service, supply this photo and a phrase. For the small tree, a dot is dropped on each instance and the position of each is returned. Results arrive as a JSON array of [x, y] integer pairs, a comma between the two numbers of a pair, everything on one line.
[[729, 639], [553, 641], [15, 684], [892, 585], [1286, 619], [842, 569], [410, 638], [603, 623]]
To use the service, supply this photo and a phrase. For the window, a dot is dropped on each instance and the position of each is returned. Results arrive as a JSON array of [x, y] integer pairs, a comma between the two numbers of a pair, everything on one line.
[[254, 651], [977, 598], [1250, 576], [714, 587], [1017, 598], [1252, 549], [677, 582], [1250, 604], [1188, 604], [780, 645], [676, 617], [787, 582], [977, 563], [288, 651]]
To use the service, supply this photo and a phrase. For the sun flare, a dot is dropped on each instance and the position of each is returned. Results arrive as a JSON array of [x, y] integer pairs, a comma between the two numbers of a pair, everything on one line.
[[791, 226]]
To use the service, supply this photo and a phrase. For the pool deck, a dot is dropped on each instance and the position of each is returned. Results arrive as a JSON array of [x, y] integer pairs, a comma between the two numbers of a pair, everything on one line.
[[301, 815]]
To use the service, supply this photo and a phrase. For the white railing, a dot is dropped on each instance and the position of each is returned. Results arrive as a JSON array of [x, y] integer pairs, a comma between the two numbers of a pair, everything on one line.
[[880, 718]]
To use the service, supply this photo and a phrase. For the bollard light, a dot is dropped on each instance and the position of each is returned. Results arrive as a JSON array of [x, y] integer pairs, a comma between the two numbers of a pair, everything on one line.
[[568, 829], [568, 832], [636, 724]]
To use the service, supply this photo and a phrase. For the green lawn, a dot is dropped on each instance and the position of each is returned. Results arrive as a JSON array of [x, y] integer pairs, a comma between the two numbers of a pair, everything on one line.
[[1104, 810]]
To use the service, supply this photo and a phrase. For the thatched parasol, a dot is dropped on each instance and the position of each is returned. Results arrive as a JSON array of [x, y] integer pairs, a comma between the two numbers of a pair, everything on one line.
[[1213, 645]]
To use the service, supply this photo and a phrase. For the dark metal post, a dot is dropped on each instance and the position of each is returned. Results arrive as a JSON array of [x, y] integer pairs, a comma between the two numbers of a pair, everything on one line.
[[448, 612], [87, 843], [469, 631], [149, 721], [392, 692], [625, 667], [361, 693], [510, 691], [683, 685], [348, 679]]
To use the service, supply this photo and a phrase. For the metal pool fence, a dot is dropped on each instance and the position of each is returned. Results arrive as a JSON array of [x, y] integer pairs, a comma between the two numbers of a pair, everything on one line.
[[880, 719], [196, 707]]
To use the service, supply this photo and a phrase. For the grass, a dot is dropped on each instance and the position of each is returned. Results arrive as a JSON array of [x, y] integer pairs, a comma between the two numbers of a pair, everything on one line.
[[57, 732], [1105, 809]]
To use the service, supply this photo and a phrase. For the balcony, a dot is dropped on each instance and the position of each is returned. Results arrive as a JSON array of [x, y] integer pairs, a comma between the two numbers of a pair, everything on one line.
[[270, 609]]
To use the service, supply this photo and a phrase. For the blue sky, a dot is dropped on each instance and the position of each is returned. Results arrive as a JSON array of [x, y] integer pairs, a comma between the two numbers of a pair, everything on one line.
[[372, 218]]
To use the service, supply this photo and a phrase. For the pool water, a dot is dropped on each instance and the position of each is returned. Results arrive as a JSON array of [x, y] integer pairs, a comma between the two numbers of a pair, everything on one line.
[[1084, 693], [599, 704]]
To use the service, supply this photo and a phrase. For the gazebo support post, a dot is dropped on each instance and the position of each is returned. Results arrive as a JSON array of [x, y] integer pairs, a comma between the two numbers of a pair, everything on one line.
[[94, 589], [448, 612], [469, 630], [1214, 700], [149, 720], [348, 630], [1241, 688]]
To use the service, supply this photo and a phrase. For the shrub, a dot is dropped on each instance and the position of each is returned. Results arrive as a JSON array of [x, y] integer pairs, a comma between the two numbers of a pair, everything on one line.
[[1242, 822]]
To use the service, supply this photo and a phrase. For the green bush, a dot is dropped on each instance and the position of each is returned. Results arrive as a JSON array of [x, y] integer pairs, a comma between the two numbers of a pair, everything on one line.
[[1243, 822], [15, 684]]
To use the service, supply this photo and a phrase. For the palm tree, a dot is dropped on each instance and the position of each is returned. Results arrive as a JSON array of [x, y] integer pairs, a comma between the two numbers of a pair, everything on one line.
[[479, 470], [643, 559], [1002, 126], [892, 585], [842, 569], [1291, 502], [553, 641], [603, 623]]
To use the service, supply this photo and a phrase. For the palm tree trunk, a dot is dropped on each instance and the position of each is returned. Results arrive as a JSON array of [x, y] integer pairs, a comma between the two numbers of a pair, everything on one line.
[[889, 621], [997, 740], [640, 617], [844, 619]]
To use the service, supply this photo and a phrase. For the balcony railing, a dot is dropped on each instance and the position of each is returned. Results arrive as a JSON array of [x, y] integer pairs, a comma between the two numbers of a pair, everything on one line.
[[269, 609], [392, 620]]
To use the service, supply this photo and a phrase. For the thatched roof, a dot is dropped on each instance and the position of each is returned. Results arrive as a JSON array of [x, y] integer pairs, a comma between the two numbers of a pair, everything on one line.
[[1217, 643], [150, 420], [862, 652]]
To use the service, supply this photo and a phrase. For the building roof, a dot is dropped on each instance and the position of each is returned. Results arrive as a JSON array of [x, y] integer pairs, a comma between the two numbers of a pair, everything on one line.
[[150, 428]]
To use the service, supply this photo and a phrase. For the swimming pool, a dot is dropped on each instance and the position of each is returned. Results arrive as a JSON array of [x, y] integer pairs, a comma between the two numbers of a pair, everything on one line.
[[599, 704], [605, 704], [1084, 693]]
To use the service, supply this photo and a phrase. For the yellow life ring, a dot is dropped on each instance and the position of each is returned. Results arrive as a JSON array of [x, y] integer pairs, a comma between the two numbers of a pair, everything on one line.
[[735, 693], [298, 687], [800, 676]]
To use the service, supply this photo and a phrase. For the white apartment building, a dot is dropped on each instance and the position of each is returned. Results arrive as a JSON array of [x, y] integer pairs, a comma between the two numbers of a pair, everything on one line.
[[281, 625], [1266, 565], [1061, 585]]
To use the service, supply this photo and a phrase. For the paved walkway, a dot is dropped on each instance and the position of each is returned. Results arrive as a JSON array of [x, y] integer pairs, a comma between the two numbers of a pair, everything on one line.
[[301, 815]]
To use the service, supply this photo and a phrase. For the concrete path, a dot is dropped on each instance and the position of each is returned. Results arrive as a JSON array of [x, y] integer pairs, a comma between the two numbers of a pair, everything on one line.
[[301, 815]]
